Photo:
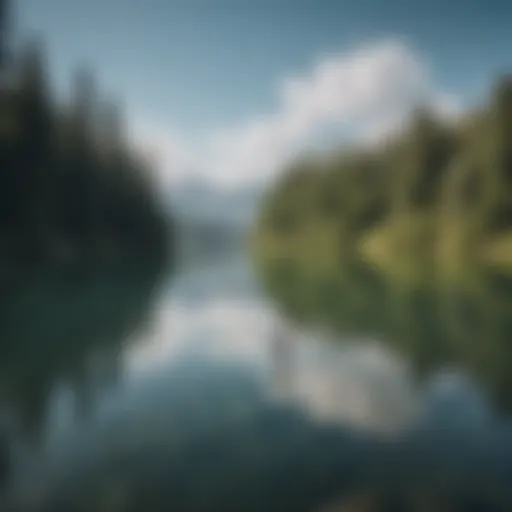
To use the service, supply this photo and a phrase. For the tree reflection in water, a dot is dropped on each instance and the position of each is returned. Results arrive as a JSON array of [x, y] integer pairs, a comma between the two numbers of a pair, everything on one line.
[[210, 440], [62, 331], [204, 436], [463, 324]]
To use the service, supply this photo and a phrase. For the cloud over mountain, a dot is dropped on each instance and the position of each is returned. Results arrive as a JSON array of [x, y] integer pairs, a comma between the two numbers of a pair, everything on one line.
[[364, 92]]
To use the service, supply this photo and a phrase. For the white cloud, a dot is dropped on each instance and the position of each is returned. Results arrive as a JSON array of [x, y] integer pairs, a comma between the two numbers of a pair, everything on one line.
[[163, 147], [229, 328], [368, 91]]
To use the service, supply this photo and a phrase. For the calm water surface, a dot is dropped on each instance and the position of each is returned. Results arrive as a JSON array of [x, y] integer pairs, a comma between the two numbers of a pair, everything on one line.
[[201, 392]]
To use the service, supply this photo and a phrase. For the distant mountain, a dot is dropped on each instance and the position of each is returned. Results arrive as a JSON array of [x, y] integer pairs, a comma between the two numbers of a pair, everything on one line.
[[197, 200], [211, 220]]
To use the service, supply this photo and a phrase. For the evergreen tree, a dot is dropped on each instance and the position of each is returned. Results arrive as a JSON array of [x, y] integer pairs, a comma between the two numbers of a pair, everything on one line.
[[4, 35], [67, 175], [35, 140], [431, 183]]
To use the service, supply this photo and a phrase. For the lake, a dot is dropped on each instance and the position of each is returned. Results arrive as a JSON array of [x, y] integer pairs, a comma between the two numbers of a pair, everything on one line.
[[212, 390]]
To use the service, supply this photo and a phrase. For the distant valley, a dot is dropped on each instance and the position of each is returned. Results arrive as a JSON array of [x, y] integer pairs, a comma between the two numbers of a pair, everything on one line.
[[211, 220]]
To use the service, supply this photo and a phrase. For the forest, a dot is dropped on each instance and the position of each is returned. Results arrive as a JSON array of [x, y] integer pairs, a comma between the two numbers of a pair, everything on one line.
[[437, 193], [71, 187]]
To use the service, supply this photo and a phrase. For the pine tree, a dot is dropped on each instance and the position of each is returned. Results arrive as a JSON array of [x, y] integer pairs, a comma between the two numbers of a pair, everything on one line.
[[34, 150], [4, 34]]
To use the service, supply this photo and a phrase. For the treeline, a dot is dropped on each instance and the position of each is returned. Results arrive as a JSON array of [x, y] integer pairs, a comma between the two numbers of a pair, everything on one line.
[[437, 189], [70, 186]]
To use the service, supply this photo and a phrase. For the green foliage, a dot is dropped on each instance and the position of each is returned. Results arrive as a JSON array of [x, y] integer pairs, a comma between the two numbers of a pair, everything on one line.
[[70, 187], [438, 187]]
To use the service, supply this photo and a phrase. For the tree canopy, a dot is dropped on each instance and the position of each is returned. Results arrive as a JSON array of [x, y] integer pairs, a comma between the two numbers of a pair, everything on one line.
[[433, 185], [70, 184]]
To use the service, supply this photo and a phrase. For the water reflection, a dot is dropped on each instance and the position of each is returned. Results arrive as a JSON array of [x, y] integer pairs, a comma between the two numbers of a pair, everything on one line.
[[206, 436], [197, 397], [61, 336], [461, 325]]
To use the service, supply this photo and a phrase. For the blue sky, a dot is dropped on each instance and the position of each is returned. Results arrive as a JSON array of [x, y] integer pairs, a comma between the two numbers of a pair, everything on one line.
[[204, 81]]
